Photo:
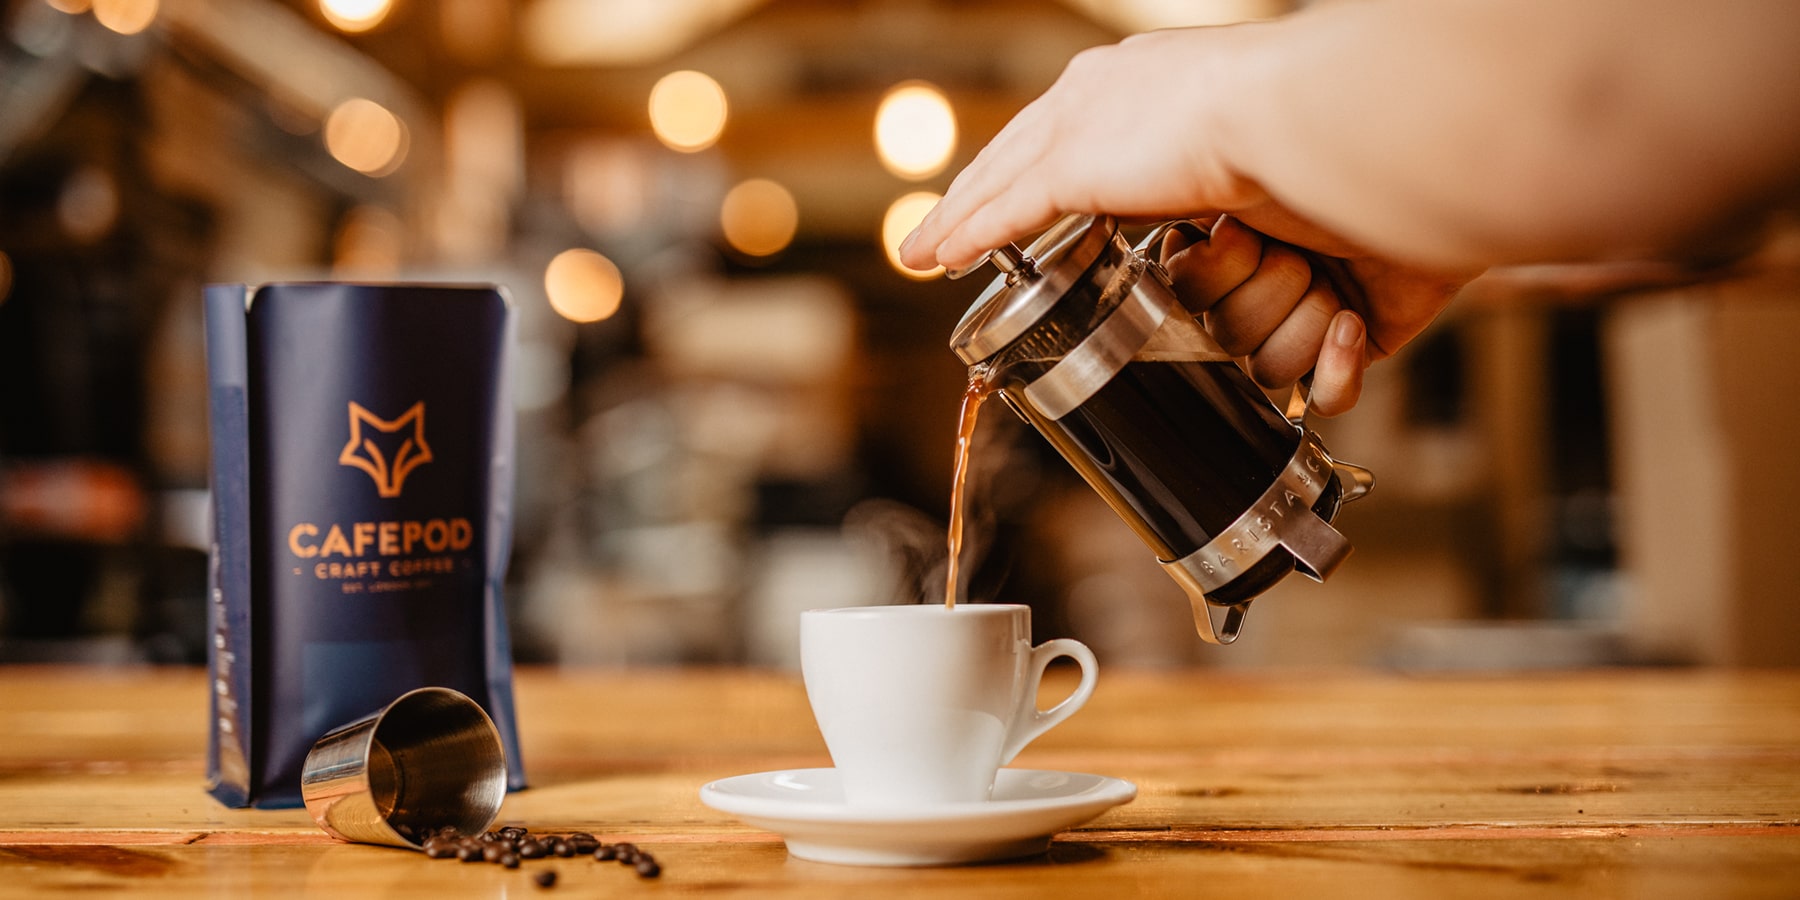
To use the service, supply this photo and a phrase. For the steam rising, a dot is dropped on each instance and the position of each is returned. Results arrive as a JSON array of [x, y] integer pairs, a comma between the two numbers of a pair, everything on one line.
[[914, 542]]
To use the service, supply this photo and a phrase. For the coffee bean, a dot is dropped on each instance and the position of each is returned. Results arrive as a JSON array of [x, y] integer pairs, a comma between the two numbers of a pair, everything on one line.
[[509, 845]]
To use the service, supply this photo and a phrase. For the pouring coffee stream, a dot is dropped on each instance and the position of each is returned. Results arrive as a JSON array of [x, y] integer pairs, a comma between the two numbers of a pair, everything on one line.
[[967, 415], [1083, 337]]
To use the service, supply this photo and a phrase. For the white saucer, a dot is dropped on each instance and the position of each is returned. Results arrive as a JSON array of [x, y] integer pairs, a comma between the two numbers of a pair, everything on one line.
[[806, 807]]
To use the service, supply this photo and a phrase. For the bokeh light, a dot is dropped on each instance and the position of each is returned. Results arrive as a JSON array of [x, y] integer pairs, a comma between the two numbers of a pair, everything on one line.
[[915, 130], [370, 243], [759, 217], [687, 110], [125, 16], [355, 15], [6, 277], [583, 285], [42, 36], [903, 215], [87, 208], [365, 136], [72, 7]]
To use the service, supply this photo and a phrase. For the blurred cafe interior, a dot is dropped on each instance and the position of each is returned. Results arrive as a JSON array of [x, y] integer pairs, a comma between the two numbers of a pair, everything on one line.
[[733, 404]]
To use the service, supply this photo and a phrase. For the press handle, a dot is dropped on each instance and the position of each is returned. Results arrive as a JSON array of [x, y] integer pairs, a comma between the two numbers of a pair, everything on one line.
[[1195, 229], [1301, 397], [1353, 480]]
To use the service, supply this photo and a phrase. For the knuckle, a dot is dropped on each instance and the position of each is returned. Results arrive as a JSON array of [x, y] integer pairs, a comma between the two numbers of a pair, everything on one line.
[[1237, 250], [1274, 370], [1232, 335], [1286, 268], [1204, 273], [1317, 306], [1092, 58]]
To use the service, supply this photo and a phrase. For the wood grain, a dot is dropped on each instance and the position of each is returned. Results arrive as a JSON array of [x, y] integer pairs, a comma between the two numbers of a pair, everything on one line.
[[1635, 783]]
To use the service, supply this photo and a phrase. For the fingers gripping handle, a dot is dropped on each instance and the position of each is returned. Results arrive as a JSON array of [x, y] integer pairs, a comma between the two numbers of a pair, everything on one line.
[[1029, 721], [1151, 246]]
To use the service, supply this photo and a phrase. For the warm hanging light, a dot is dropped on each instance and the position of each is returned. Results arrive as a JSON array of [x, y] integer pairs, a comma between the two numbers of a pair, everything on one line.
[[583, 285], [759, 217], [903, 215], [687, 110], [365, 136], [125, 16], [915, 130], [354, 16]]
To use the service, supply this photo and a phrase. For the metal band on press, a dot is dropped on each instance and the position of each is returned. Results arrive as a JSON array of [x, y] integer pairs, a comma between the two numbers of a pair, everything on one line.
[[1283, 517], [1105, 351]]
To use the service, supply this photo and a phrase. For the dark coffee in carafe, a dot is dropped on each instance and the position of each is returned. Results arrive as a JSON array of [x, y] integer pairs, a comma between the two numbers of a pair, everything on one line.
[[1187, 447]]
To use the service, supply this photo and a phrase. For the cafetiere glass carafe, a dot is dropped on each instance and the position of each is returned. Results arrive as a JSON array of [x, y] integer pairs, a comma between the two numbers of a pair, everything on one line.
[[1084, 338]]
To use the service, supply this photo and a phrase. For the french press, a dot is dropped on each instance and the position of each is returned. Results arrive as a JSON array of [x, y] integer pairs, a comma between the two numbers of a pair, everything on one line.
[[1083, 337]]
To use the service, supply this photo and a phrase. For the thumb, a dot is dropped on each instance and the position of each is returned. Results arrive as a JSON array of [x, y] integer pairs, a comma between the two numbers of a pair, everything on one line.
[[1338, 376]]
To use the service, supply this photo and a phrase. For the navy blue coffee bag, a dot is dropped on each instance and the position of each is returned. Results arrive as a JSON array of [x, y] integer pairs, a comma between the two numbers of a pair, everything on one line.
[[361, 482]]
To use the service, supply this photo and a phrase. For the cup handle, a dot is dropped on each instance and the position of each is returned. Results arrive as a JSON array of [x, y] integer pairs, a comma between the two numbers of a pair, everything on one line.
[[1029, 721]]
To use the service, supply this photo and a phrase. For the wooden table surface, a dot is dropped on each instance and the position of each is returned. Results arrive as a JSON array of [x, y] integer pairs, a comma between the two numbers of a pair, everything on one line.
[[1660, 783]]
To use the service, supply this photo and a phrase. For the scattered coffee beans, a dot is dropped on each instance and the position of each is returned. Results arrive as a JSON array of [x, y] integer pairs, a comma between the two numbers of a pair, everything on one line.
[[508, 846]]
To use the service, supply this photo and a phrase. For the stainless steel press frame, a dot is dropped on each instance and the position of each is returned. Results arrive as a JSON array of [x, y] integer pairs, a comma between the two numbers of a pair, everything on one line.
[[1282, 517]]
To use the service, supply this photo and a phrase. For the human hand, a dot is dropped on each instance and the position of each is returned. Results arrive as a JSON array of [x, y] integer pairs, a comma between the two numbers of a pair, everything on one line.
[[1313, 301], [1289, 310], [1087, 146]]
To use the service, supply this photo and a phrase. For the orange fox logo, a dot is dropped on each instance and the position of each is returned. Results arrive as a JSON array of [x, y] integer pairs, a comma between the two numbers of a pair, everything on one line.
[[389, 471]]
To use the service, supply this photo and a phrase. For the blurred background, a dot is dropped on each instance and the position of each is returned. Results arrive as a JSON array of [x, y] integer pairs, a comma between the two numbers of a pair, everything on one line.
[[733, 404]]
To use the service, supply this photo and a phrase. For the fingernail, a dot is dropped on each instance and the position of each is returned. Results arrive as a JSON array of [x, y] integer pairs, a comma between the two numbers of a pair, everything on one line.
[[1348, 330], [907, 244]]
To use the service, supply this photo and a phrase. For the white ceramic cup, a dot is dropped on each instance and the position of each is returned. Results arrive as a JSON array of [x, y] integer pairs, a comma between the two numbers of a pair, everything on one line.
[[922, 705]]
